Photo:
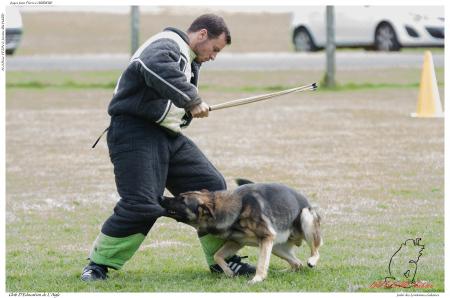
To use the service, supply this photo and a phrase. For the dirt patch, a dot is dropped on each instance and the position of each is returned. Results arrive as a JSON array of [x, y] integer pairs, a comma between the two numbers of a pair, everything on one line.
[[348, 149]]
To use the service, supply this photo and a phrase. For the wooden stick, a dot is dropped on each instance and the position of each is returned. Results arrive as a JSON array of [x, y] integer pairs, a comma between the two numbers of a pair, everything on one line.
[[247, 100]]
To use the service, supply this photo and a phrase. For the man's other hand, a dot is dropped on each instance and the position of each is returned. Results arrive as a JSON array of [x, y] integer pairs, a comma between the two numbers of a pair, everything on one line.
[[201, 110]]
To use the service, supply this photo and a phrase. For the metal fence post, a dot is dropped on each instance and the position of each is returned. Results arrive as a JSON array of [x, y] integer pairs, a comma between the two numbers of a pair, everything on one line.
[[134, 29], [330, 48]]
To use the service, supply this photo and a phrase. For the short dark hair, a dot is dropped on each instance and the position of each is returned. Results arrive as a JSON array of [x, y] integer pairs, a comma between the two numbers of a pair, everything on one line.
[[214, 24]]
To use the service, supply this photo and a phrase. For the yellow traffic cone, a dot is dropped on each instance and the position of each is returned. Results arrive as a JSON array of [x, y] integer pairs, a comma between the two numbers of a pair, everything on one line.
[[429, 102]]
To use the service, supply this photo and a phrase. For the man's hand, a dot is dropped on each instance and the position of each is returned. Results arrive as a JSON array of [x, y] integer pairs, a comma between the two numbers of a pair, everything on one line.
[[199, 111]]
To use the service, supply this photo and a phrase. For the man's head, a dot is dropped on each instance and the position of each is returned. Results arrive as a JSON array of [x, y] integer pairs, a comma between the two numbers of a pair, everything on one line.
[[208, 35]]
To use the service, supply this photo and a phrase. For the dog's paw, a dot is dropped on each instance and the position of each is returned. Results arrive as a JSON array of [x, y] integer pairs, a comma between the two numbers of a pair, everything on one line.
[[297, 266], [256, 279], [312, 261]]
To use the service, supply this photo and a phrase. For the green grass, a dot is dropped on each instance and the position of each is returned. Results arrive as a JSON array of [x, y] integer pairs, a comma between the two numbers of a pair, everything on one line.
[[63, 85], [248, 89], [347, 262], [237, 81]]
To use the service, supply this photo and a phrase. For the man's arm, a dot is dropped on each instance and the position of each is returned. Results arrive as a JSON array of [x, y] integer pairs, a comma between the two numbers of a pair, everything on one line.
[[159, 65]]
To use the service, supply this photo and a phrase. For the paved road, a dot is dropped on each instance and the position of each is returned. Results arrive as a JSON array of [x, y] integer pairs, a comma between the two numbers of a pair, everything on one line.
[[229, 61]]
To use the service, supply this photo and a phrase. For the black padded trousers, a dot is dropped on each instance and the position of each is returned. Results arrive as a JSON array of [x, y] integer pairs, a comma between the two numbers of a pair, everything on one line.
[[147, 159]]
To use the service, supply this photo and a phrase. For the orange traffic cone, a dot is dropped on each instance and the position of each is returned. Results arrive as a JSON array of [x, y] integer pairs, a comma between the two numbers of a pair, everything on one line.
[[429, 102]]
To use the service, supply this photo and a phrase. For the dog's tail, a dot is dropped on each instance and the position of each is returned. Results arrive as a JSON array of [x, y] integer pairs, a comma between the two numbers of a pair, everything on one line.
[[241, 181], [310, 222]]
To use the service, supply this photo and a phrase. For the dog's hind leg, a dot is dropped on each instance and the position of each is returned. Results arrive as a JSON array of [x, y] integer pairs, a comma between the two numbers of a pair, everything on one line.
[[228, 249], [265, 250], [310, 221], [286, 252]]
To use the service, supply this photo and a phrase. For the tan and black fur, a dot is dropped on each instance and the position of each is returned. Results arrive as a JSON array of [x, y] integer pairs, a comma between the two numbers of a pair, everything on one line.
[[271, 216]]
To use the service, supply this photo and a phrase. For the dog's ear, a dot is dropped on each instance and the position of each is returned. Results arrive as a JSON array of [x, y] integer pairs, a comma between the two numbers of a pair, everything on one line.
[[241, 181], [164, 198], [208, 210]]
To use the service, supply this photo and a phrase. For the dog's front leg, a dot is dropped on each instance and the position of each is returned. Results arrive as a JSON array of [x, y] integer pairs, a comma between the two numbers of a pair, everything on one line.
[[265, 249], [228, 249]]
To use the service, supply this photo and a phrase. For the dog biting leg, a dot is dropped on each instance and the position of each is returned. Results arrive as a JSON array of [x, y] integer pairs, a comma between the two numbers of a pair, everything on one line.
[[228, 249], [285, 251], [311, 229], [265, 250]]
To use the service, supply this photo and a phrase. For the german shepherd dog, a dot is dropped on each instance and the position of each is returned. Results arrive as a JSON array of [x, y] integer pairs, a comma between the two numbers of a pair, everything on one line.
[[272, 216]]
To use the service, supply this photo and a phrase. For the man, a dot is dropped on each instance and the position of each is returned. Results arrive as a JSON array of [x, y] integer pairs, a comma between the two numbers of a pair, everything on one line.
[[154, 98]]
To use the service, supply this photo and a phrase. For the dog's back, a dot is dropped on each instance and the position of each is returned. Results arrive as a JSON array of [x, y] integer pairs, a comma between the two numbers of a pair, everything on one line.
[[277, 202]]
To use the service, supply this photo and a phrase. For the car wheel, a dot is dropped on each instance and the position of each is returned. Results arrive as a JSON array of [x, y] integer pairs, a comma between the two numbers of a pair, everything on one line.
[[386, 39], [303, 41]]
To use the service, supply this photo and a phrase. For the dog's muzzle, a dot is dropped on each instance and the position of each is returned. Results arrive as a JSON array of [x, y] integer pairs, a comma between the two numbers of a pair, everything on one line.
[[165, 203]]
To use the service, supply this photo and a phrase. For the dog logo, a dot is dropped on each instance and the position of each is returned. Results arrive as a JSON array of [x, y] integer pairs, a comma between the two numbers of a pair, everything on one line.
[[403, 263], [403, 267]]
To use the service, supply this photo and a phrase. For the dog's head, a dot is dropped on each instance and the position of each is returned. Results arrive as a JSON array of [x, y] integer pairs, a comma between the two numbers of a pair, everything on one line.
[[192, 207]]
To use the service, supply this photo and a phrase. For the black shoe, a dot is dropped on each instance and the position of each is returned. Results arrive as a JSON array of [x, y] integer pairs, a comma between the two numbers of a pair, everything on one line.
[[235, 264], [93, 272]]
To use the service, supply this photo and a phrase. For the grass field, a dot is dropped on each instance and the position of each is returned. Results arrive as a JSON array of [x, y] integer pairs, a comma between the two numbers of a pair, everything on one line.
[[376, 173]]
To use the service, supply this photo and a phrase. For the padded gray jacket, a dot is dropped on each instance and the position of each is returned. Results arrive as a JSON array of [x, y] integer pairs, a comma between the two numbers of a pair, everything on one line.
[[160, 82]]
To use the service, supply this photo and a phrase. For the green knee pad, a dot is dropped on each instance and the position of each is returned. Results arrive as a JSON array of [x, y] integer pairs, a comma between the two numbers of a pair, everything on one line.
[[210, 245], [114, 252]]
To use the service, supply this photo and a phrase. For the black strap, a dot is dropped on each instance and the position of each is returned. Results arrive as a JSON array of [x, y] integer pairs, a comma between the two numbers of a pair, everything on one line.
[[93, 146], [186, 120]]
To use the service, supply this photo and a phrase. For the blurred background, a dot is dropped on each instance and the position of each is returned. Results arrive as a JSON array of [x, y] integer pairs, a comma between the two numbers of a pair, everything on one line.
[[271, 38], [81, 30]]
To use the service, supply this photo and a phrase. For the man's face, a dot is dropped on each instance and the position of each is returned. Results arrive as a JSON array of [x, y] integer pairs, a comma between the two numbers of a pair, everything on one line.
[[207, 49]]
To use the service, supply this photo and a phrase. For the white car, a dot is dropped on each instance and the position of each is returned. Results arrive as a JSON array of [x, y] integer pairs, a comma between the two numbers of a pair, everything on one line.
[[13, 29], [385, 28]]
